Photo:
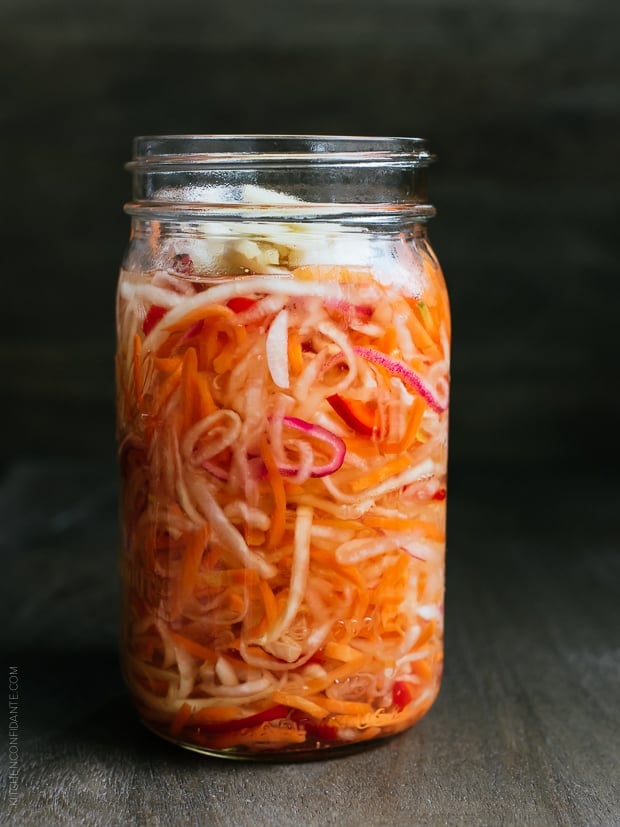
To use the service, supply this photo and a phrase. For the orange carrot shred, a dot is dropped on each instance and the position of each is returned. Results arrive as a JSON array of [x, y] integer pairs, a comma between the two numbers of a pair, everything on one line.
[[180, 719], [200, 314], [199, 651], [379, 474], [137, 367], [411, 430], [188, 384], [425, 527], [299, 702], [278, 518], [295, 356]]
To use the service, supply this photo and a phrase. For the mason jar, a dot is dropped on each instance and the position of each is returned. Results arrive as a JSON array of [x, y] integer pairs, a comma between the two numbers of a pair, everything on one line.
[[282, 379]]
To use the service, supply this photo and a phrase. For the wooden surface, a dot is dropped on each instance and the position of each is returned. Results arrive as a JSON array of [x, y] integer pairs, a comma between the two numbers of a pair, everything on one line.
[[526, 730]]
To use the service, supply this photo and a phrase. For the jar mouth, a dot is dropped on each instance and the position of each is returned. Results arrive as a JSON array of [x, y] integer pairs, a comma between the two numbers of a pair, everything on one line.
[[276, 151], [345, 179]]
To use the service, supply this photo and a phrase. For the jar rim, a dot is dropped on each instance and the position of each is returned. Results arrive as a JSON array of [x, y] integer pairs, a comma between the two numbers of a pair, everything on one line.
[[226, 151]]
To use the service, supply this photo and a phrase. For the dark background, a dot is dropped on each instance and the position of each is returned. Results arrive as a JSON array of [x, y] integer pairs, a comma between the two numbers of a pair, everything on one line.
[[520, 100]]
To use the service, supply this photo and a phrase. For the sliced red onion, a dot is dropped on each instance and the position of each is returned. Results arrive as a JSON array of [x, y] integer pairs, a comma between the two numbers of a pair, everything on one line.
[[322, 435], [194, 330], [304, 467], [409, 377], [347, 309]]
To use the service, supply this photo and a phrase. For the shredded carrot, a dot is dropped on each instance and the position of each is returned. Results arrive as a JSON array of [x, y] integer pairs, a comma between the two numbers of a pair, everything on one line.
[[377, 475], [390, 594], [426, 634], [217, 339], [430, 530], [299, 702], [167, 365], [189, 384], [200, 314], [377, 718], [360, 607], [388, 343], [206, 404], [343, 707], [254, 536], [216, 714], [166, 389], [295, 356], [192, 557], [180, 719], [220, 578], [124, 402], [278, 518], [424, 314], [169, 345], [423, 669], [199, 651], [269, 601], [364, 447], [338, 651], [345, 275], [292, 488], [336, 523], [340, 673], [137, 368], [235, 602], [411, 431], [226, 358], [240, 333], [420, 335], [202, 347]]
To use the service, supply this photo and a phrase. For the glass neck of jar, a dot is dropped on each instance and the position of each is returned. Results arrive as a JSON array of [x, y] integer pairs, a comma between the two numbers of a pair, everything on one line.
[[348, 181]]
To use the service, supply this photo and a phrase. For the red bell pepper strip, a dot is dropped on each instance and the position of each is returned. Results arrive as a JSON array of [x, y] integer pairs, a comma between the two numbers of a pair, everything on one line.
[[155, 314], [401, 695], [358, 415], [240, 303]]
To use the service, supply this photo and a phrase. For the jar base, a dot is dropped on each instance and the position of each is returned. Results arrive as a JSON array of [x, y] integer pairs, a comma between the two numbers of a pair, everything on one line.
[[301, 754]]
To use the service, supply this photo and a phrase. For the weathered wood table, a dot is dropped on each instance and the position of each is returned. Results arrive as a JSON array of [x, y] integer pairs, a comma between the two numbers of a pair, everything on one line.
[[526, 730]]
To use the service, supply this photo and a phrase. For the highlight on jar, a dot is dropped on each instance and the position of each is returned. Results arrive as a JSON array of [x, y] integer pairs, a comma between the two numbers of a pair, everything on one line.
[[282, 414]]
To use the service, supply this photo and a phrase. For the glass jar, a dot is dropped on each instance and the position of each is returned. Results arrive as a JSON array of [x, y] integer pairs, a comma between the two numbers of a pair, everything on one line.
[[282, 377]]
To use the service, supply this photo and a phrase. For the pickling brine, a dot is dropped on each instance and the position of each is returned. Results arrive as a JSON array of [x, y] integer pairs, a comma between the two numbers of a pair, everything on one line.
[[282, 417]]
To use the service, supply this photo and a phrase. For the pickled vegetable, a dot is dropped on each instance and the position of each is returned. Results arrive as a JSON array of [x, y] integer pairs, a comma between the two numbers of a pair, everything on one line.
[[283, 443]]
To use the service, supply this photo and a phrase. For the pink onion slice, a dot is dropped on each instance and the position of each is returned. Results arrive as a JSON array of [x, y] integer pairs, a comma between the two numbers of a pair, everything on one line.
[[321, 434], [348, 309], [194, 330], [409, 377]]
